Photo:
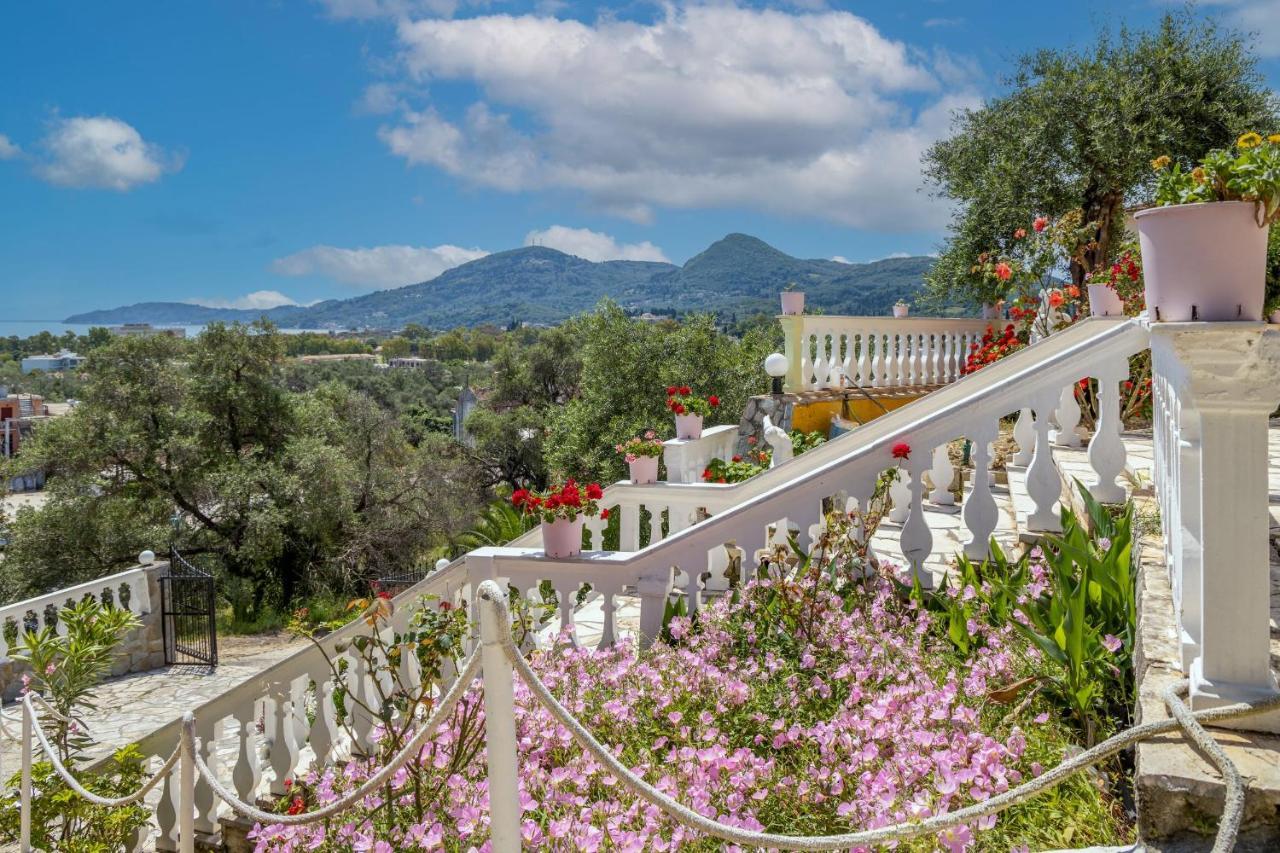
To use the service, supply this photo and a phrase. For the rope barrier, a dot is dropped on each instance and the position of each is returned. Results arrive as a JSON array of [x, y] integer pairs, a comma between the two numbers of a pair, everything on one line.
[[71, 781], [370, 785], [1182, 718]]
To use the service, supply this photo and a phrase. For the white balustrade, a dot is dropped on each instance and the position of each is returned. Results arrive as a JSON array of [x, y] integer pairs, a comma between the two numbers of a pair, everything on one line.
[[128, 590], [686, 458], [876, 352], [980, 511], [1216, 384]]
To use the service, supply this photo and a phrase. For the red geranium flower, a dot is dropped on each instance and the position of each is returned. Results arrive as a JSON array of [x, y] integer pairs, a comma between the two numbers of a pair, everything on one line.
[[671, 390], [902, 450], [678, 408], [519, 496], [713, 401], [604, 513], [1040, 224], [297, 806], [594, 492], [737, 458], [1003, 271], [685, 390]]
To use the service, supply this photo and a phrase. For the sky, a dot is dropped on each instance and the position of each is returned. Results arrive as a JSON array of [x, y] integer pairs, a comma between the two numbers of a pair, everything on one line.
[[250, 153]]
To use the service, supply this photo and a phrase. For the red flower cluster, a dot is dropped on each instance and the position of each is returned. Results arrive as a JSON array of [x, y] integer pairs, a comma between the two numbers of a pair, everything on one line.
[[681, 401], [994, 348], [567, 501]]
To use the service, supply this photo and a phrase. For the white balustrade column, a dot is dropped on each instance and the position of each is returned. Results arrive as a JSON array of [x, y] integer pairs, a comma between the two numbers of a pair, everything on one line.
[[917, 540], [941, 474], [980, 511], [1068, 418], [1186, 536], [1106, 449], [1024, 433], [1229, 374], [499, 724], [1043, 483]]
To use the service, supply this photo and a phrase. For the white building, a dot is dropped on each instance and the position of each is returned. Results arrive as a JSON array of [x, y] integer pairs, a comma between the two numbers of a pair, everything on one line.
[[146, 330], [62, 360]]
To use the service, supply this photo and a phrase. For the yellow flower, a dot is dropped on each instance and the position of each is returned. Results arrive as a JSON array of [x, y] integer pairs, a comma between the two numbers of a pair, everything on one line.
[[1161, 162], [1197, 175], [1274, 139], [1249, 140]]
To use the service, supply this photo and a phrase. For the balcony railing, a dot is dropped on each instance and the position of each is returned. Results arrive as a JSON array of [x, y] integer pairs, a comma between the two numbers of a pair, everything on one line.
[[876, 352]]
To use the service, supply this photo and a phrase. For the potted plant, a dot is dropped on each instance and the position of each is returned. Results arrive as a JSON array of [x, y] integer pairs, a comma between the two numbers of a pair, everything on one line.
[[900, 308], [689, 410], [641, 454], [1204, 247], [792, 299], [991, 311], [562, 511]]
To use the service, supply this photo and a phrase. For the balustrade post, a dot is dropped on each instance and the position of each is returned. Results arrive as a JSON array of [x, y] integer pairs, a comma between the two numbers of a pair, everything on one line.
[[1228, 375], [792, 341], [980, 512], [1106, 449], [654, 590], [941, 475], [187, 787], [1067, 417], [24, 821], [499, 722], [1024, 433], [916, 539], [1043, 483]]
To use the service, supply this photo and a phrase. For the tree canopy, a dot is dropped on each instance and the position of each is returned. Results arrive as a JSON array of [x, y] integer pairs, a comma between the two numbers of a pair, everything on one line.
[[1078, 130]]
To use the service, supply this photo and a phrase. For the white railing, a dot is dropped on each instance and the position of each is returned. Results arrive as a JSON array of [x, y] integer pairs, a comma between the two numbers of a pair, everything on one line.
[[1215, 386], [877, 352], [128, 590], [686, 458], [689, 527]]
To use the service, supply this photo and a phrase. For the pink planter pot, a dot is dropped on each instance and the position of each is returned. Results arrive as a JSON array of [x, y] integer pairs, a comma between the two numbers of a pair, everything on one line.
[[562, 537], [990, 312], [688, 426], [901, 310], [1203, 261], [644, 470], [1104, 301], [793, 302]]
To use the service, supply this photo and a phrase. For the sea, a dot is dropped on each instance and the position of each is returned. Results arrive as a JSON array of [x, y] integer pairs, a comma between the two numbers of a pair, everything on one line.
[[27, 328]]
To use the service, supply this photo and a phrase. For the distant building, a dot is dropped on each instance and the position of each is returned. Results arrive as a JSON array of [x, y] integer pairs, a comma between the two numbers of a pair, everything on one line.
[[64, 360], [17, 411], [409, 362], [146, 330], [341, 356], [467, 402]]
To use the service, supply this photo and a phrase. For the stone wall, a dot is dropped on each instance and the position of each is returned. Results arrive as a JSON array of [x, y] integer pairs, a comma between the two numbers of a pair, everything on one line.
[[779, 408], [142, 648]]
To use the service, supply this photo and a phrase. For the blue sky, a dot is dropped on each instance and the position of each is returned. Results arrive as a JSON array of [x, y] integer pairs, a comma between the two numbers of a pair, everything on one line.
[[245, 153]]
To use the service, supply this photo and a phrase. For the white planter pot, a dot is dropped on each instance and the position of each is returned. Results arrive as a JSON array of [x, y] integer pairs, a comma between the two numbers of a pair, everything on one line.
[[901, 310], [793, 302], [1203, 261], [562, 537], [1104, 301], [688, 426], [644, 470]]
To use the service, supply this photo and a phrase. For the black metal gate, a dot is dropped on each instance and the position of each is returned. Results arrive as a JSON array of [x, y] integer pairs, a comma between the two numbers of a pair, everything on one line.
[[187, 604]]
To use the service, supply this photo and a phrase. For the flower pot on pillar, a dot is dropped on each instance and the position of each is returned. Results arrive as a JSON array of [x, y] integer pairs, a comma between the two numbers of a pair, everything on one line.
[[644, 469], [562, 537], [901, 310], [1203, 261], [1104, 301], [990, 311], [793, 302], [688, 426]]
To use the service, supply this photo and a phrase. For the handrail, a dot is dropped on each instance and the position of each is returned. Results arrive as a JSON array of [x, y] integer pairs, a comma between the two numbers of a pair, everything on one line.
[[18, 609]]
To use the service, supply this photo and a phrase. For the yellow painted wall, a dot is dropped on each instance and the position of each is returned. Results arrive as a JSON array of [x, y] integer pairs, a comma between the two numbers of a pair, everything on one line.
[[816, 416]]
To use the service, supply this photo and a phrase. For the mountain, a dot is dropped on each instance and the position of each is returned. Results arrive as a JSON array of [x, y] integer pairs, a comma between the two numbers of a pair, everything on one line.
[[739, 275]]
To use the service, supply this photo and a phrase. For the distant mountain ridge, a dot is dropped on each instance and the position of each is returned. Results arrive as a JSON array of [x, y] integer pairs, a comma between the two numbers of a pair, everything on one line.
[[738, 275]]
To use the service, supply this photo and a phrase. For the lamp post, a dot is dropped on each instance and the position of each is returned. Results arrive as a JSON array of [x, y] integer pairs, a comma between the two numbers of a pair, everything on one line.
[[776, 366]]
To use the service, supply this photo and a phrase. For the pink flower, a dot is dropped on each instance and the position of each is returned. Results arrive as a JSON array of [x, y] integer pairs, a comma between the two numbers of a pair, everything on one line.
[[1112, 643]]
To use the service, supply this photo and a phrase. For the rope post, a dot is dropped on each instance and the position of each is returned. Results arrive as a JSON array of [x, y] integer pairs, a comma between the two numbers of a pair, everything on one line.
[[25, 819], [499, 720], [187, 787]]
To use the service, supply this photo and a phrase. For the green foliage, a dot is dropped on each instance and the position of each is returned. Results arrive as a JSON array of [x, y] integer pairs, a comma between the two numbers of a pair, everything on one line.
[[740, 468], [1077, 131], [1251, 175], [63, 820], [498, 524], [1072, 598], [288, 490]]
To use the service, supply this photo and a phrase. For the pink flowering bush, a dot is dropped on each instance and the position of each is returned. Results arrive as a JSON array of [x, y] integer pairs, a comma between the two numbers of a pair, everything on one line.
[[813, 705]]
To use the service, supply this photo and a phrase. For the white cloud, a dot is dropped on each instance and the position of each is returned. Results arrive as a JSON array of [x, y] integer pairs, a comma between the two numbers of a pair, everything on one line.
[[593, 245], [8, 150], [1261, 17], [377, 267], [841, 259], [259, 300], [364, 10], [711, 105], [100, 152]]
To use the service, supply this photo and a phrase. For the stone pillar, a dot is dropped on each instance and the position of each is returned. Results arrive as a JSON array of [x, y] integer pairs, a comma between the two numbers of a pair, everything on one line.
[[1228, 374], [792, 331]]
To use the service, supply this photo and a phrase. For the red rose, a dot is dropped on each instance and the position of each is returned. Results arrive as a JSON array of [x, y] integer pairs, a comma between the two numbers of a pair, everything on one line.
[[594, 492], [713, 401], [902, 450]]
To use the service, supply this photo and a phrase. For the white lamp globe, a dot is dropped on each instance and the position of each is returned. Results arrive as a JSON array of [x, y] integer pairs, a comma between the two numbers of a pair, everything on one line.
[[776, 365], [442, 563], [146, 558]]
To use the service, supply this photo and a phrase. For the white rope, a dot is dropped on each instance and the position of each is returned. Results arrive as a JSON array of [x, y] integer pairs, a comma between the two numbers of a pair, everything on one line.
[[74, 785], [901, 831], [371, 785]]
